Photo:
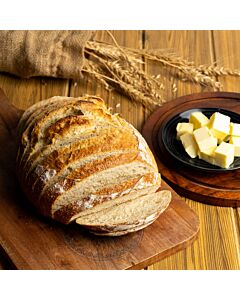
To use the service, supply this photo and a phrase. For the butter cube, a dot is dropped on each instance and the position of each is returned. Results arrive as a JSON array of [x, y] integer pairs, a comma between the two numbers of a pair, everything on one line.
[[184, 128], [207, 155], [235, 129], [224, 155], [198, 119], [235, 140], [204, 139], [189, 144], [219, 126]]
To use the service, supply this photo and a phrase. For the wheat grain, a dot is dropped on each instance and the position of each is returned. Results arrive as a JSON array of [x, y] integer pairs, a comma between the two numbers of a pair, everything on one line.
[[122, 68]]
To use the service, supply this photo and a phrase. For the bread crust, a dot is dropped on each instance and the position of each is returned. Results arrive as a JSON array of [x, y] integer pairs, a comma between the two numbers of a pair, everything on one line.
[[65, 214], [35, 108], [51, 194], [48, 146], [64, 105]]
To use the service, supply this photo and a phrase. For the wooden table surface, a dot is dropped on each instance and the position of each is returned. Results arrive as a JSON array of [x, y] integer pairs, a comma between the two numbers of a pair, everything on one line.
[[217, 246]]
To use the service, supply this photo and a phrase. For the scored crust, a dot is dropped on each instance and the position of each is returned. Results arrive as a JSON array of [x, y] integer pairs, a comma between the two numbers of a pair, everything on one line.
[[66, 142], [118, 193]]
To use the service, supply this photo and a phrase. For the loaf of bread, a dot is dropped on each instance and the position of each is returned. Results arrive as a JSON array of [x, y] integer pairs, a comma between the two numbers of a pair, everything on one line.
[[77, 161]]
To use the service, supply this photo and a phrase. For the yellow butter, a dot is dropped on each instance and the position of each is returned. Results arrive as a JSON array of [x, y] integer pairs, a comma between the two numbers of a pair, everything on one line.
[[184, 128], [189, 144], [204, 139], [224, 155], [235, 129], [198, 119], [219, 126], [235, 140], [207, 155]]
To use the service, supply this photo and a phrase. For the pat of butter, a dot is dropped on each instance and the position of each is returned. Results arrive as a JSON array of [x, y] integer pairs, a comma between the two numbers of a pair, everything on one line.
[[204, 139], [219, 126], [189, 144], [235, 129], [184, 128], [208, 155], [198, 119], [224, 155], [235, 140]]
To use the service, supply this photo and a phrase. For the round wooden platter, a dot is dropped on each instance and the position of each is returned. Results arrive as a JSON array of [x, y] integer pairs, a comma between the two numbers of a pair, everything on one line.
[[221, 189]]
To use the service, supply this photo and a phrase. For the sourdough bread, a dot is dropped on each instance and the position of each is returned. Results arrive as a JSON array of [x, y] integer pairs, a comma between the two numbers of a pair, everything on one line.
[[76, 160], [127, 217]]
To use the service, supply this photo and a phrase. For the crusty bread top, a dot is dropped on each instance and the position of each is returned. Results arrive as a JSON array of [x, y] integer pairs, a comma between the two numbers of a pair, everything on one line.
[[67, 142]]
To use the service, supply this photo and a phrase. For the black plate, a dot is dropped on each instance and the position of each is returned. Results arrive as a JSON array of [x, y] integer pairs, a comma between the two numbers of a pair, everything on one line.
[[175, 148]]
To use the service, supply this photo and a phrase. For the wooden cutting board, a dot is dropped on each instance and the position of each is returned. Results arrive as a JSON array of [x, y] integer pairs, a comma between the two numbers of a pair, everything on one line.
[[221, 189], [30, 241]]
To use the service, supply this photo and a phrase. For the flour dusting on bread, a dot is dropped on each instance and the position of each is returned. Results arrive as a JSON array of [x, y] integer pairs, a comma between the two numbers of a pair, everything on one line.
[[78, 161]]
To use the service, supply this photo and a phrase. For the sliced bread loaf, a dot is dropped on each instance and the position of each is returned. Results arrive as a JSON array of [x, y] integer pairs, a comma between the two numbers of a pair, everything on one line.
[[75, 160], [127, 217]]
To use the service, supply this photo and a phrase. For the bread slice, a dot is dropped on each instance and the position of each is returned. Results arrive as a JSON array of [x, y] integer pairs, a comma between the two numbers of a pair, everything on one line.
[[127, 217], [111, 195], [69, 190]]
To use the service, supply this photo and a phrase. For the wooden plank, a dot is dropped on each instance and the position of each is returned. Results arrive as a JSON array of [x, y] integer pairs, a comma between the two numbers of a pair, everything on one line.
[[216, 247], [192, 45], [132, 112], [25, 92], [227, 47], [227, 44]]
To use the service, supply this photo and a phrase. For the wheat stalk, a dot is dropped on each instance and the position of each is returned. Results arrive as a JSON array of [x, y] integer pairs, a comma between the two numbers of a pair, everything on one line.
[[125, 76], [122, 68], [214, 70]]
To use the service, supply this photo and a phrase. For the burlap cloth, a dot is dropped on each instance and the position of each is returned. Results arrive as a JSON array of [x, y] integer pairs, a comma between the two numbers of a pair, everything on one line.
[[28, 53]]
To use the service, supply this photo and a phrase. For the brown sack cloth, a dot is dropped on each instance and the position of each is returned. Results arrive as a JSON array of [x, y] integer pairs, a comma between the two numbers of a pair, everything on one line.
[[56, 53]]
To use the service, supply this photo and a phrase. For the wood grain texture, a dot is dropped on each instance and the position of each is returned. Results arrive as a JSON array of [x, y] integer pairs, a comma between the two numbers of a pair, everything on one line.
[[227, 45], [190, 44], [218, 250], [33, 242], [25, 92], [226, 48], [133, 112], [202, 47], [215, 249]]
